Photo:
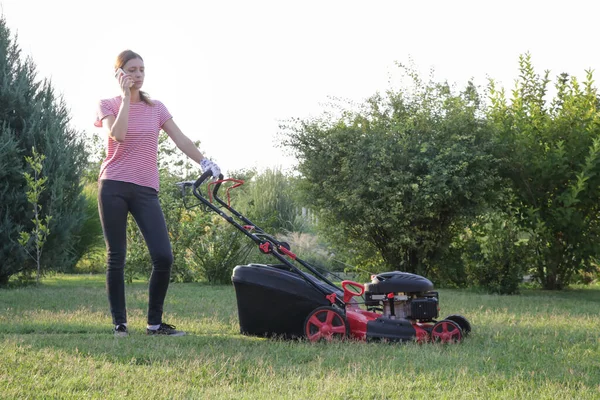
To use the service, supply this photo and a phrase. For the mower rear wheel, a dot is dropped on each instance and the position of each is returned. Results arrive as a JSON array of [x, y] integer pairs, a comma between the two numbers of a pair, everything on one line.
[[446, 331], [326, 323], [464, 324]]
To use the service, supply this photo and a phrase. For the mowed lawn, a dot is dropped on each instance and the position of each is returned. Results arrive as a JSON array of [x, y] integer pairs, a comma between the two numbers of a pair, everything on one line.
[[56, 342]]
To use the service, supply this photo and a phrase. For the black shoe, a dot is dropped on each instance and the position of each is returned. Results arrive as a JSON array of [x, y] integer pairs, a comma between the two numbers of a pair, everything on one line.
[[165, 329], [120, 331]]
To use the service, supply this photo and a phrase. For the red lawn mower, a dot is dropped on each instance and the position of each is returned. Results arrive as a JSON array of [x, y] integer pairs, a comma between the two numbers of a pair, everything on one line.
[[282, 300]]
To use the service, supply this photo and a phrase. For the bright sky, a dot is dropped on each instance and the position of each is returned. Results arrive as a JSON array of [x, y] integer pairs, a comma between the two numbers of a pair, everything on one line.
[[231, 71]]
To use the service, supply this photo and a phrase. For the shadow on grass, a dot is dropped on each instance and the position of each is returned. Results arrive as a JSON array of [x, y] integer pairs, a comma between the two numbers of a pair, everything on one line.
[[555, 353], [551, 349]]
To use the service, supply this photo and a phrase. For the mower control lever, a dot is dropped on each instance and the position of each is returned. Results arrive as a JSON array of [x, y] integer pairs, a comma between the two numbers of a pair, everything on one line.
[[349, 293]]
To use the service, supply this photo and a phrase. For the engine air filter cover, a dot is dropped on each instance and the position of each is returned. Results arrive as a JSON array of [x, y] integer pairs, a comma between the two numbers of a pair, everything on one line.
[[424, 309]]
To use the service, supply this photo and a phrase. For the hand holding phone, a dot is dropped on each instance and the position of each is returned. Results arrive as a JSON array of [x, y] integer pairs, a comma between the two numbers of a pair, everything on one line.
[[124, 80], [119, 72]]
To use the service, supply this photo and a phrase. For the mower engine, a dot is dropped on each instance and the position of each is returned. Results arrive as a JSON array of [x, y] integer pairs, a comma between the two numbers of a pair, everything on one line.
[[402, 295]]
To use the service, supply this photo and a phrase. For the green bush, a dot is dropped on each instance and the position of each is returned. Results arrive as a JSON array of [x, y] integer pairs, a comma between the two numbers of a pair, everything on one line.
[[90, 247], [218, 251], [496, 253], [271, 199], [450, 270], [393, 179], [550, 153], [589, 274]]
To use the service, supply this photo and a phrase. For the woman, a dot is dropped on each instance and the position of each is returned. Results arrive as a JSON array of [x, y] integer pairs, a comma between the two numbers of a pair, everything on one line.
[[128, 183]]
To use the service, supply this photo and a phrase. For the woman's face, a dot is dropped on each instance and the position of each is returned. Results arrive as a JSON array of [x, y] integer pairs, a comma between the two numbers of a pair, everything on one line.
[[135, 69]]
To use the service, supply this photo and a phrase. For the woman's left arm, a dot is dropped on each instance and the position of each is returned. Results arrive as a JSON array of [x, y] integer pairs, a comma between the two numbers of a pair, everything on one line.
[[189, 148], [182, 142]]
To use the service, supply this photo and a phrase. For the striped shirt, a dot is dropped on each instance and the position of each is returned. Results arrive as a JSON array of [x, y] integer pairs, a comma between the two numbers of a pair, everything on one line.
[[134, 160]]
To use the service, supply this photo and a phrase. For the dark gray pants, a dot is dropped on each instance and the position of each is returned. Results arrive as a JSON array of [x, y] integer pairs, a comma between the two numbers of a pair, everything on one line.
[[115, 200]]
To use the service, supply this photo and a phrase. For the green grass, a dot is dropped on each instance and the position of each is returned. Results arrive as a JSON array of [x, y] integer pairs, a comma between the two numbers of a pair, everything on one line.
[[55, 342]]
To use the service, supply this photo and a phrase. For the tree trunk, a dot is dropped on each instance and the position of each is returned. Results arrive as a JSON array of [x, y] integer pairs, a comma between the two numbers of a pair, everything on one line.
[[552, 278]]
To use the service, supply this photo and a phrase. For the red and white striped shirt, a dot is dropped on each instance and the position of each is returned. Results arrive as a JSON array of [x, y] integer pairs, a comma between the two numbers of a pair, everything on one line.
[[134, 160]]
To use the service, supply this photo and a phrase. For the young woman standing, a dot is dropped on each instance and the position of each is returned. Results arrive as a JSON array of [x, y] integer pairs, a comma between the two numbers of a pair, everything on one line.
[[128, 183]]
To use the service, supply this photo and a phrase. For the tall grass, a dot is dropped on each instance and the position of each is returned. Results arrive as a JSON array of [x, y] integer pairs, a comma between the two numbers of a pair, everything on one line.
[[55, 342]]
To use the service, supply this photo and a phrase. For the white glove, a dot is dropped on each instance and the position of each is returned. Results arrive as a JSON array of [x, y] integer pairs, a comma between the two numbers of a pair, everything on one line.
[[207, 165]]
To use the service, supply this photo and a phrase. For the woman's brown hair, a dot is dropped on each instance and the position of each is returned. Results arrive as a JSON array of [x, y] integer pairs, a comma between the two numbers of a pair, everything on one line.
[[122, 59]]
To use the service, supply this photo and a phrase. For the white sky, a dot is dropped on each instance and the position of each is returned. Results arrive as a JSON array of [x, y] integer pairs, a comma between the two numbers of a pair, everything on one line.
[[230, 71]]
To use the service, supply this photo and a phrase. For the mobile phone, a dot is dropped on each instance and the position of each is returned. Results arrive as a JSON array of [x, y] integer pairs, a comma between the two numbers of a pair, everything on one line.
[[118, 72]]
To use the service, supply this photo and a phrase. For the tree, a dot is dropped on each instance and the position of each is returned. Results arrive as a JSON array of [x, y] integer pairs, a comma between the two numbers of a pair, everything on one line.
[[38, 235], [31, 115], [396, 178], [550, 153]]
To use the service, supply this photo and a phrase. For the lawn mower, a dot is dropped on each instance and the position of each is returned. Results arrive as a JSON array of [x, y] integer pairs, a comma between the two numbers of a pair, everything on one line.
[[284, 300]]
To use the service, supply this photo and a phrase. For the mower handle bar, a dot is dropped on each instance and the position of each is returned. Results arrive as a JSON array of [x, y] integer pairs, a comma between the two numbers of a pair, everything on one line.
[[280, 248], [204, 177], [195, 184]]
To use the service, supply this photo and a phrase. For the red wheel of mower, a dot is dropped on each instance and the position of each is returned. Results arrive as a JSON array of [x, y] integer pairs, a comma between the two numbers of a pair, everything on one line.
[[326, 323], [446, 331], [464, 324]]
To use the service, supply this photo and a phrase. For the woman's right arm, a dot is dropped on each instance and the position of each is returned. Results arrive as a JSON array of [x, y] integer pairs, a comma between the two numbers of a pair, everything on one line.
[[117, 126]]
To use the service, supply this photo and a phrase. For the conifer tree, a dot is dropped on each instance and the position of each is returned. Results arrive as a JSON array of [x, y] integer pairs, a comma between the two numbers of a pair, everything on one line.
[[32, 115]]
